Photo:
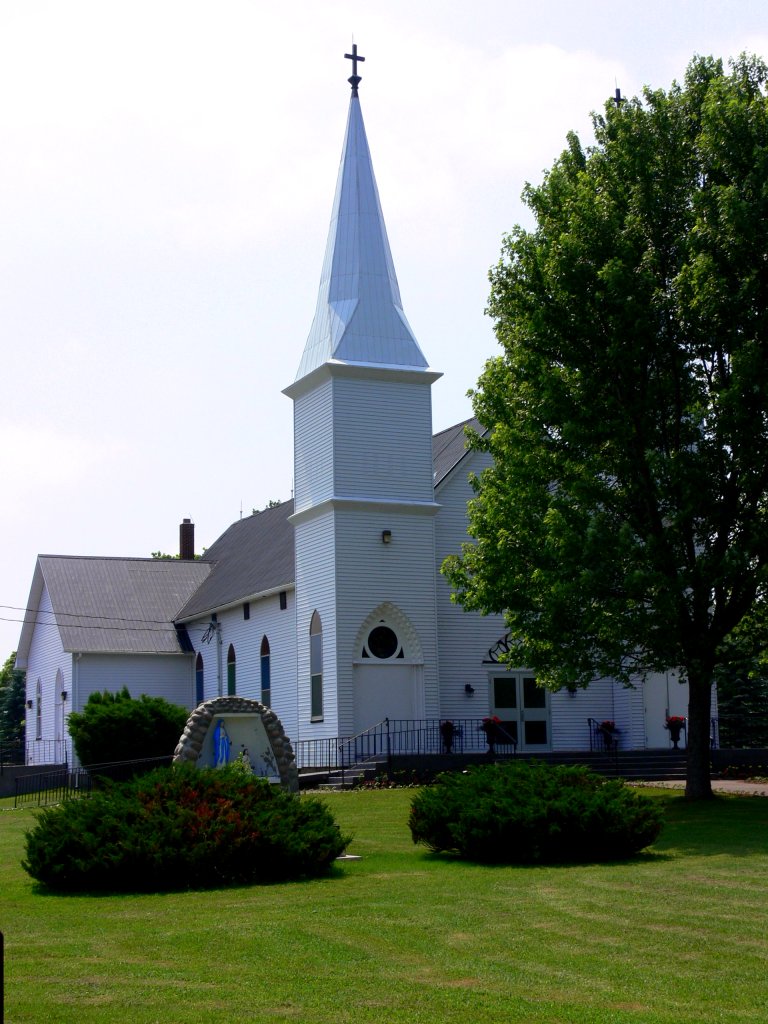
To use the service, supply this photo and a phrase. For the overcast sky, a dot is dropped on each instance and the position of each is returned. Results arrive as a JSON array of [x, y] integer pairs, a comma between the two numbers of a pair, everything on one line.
[[166, 182]]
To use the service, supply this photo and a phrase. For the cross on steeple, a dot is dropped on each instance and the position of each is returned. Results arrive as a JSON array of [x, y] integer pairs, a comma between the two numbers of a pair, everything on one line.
[[354, 79], [618, 99]]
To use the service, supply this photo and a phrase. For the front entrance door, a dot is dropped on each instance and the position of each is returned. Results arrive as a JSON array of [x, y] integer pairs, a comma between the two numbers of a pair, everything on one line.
[[523, 708], [386, 691]]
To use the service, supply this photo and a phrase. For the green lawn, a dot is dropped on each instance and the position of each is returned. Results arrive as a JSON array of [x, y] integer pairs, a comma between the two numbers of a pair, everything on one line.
[[680, 935]]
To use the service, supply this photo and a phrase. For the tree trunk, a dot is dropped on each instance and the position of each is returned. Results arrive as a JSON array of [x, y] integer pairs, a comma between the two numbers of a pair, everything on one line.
[[698, 783]]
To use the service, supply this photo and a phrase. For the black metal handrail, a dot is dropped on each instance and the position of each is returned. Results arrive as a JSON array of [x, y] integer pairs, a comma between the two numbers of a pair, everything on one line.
[[601, 738]]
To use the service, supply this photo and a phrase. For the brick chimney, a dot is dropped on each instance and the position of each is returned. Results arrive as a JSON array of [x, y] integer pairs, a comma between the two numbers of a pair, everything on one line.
[[187, 540]]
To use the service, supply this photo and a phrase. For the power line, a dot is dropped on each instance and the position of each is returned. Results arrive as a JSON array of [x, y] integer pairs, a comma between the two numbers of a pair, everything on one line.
[[104, 622]]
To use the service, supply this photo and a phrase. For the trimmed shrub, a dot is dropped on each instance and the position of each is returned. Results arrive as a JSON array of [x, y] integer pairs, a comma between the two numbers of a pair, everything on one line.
[[528, 813], [180, 828], [116, 727]]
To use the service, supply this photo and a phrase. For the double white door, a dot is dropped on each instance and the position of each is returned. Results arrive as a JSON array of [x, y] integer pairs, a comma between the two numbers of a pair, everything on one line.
[[523, 708]]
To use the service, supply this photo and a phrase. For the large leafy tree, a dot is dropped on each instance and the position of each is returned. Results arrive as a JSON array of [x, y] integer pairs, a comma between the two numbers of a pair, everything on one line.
[[622, 527]]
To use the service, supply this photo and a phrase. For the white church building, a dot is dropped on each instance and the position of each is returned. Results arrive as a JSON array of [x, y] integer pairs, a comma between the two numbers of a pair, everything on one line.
[[329, 608]]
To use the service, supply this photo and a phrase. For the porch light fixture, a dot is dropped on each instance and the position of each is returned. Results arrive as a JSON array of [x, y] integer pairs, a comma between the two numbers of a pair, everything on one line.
[[469, 689], [64, 696], [386, 536], [30, 704]]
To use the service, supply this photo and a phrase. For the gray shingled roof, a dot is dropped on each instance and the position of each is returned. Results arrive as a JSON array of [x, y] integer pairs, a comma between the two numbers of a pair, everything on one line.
[[254, 556], [449, 447], [118, 605]]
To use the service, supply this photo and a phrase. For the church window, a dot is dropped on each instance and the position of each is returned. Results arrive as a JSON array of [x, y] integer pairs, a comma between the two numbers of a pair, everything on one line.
[[266, 685], [231, 677], [283, 600], [58, 707], [246, 609], [382, 643], [39, 710], [316, 668], [199, 679]]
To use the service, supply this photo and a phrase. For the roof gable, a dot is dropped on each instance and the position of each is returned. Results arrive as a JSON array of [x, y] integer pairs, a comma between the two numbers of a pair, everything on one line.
[[113, 605]]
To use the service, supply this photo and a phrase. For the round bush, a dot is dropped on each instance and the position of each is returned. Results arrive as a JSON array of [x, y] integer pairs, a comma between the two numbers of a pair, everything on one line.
[[179, 828], [116, 727], [533, 813]]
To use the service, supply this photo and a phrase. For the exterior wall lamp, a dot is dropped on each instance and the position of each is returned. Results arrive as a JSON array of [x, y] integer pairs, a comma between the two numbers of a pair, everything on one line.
[[30, 704], [469, 689], [386, 536], [64, 696]]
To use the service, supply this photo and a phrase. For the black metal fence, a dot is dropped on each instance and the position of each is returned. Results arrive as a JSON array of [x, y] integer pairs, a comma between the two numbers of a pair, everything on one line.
[[12, 753], [45, 788], [51, 787], [394, 737]]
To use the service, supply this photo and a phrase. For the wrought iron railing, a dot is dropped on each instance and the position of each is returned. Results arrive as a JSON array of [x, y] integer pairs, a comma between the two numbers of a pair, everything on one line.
[[46, 752], [396, 737], [603, 736]]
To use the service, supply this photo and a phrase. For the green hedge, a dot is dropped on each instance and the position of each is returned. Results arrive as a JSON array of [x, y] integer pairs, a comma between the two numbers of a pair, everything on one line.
[[179, 828], [533, 813], [116, 727]]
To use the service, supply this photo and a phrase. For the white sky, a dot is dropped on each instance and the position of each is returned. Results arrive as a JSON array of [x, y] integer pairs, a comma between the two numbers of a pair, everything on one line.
[[166, 181]]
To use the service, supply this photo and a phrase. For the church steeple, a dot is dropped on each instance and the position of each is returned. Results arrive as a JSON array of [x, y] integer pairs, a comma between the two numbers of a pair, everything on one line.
[[359, 316]]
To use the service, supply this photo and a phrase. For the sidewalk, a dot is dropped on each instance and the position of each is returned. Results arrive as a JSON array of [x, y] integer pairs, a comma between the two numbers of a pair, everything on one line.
[[735, 787]]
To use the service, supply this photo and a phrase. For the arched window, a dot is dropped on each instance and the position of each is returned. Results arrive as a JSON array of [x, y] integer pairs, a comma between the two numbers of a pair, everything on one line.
[[316, 668], [231, 679], [199, 679], [39, 710], [58, 709], [266, 684]]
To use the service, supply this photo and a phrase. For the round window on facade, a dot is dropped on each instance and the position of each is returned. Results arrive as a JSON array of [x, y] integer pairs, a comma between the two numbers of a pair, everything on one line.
[[382, 642]]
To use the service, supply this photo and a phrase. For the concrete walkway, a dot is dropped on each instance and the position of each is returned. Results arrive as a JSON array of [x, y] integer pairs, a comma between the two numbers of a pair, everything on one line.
[[735, 787]]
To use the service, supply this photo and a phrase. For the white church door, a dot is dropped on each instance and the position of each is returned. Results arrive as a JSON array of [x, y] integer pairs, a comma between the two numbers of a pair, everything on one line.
[[388, 670], [386, 691], [523, 708]]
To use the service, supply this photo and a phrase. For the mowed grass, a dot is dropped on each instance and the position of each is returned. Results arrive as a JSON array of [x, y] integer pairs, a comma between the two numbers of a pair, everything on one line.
[[678, 935]]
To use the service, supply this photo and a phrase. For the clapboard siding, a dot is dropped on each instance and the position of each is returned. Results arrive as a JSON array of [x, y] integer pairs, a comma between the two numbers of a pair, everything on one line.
[[245, 635], [313, 446], [316, 591], [170, 676], [465, 637], [401, 572], [46, 658], [603, 700], [383, 439]]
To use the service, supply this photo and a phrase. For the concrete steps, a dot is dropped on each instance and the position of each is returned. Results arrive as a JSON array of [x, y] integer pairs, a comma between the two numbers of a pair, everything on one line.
[[345, 780], [643, 765], [640, 765]]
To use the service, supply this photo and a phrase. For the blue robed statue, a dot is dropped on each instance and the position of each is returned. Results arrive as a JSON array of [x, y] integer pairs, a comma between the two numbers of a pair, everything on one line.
[[221, 744]]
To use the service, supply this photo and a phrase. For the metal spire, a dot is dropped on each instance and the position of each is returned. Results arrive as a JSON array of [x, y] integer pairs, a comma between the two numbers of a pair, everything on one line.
[[359, 316]]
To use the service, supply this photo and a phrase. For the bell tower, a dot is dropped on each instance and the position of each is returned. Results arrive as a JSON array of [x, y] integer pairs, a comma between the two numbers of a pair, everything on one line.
[[364, 495]]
